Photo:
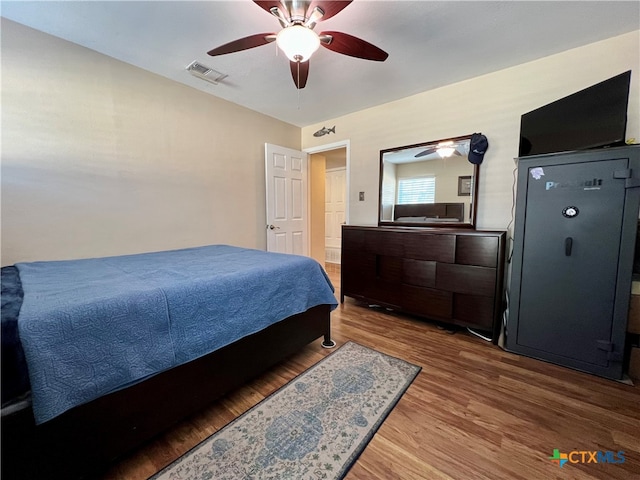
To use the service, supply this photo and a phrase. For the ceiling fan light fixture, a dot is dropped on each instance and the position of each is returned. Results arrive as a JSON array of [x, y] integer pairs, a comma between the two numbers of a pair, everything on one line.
[[445, 152], [298, 42]]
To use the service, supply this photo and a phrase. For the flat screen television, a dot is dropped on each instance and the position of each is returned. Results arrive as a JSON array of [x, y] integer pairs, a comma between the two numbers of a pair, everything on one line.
[[591, 118]]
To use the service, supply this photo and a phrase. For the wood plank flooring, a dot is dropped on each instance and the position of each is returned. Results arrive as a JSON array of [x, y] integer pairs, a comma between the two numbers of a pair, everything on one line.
[[474, 412]]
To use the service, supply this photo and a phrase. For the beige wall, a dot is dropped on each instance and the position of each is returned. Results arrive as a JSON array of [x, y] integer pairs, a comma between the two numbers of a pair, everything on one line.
[[102, 158], [491, 104]]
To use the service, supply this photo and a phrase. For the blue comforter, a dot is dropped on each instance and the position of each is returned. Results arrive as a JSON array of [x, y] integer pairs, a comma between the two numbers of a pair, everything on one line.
[[15, 380], [89, 327]]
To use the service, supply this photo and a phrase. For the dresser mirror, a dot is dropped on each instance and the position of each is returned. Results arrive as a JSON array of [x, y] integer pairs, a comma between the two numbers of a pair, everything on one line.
[[429, 184]]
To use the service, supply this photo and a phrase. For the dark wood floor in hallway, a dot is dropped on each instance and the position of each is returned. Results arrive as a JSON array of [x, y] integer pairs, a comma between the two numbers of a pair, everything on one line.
[[474, 412]]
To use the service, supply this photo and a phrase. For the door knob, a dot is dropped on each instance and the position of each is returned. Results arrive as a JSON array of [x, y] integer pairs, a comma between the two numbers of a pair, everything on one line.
[[273, 227]]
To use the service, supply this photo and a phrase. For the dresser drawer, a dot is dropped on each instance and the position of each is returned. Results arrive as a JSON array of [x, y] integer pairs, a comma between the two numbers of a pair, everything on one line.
[[476, 250], [358, 272], [421, 273], [424, 246], [353, 239], [427, 301], [473, 310], [467, 279], [384, 243]]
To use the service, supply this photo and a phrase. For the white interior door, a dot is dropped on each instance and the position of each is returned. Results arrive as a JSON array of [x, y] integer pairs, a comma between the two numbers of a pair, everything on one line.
[[335, 212], [287, 222]]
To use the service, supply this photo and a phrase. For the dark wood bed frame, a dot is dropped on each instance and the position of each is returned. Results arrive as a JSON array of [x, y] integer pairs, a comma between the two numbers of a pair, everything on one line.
[[85, 440]]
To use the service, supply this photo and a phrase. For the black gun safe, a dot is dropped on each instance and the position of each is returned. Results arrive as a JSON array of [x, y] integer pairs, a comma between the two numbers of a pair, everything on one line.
[[573, 252]]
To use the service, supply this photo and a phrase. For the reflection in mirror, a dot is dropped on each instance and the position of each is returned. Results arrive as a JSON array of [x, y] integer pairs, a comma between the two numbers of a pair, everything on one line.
[[429, 184]]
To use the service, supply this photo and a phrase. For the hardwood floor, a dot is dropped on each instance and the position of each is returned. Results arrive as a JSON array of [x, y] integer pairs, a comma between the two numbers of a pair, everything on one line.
[[474, 412]]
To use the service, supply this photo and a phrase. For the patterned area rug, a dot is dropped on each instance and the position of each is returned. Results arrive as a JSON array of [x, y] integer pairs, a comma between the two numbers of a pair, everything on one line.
[[314, 427]]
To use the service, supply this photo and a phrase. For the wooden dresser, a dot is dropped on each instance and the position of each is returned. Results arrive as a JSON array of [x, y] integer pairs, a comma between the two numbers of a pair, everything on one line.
[[450, 275]]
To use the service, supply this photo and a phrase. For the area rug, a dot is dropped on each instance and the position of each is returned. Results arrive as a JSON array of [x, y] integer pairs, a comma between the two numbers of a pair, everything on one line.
[[314, 427]]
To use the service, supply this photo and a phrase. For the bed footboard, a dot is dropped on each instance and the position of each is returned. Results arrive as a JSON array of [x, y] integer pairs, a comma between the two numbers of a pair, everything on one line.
[[86, 439]]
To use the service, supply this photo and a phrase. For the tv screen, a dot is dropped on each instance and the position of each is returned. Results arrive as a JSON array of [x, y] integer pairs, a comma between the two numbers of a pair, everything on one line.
[[591, 118]]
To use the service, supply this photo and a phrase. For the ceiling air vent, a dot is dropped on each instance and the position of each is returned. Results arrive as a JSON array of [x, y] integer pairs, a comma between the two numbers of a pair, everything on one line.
[[205, 73]]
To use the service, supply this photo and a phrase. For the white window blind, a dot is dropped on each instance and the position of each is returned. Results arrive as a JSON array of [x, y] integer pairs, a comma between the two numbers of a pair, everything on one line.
[[417, 190]]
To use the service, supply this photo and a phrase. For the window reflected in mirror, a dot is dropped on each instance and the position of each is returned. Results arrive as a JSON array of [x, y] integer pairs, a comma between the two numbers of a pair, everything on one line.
[[428, 184]]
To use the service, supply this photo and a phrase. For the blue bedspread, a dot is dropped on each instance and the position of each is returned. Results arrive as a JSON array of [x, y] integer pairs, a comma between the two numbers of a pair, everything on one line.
[[89, 327], [15, 380]]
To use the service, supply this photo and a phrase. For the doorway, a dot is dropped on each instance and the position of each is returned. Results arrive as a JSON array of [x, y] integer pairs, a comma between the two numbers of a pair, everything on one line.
[[328, 201]]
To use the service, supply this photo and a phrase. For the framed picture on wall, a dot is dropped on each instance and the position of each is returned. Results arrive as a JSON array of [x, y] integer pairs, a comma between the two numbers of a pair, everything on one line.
[[464, 186]]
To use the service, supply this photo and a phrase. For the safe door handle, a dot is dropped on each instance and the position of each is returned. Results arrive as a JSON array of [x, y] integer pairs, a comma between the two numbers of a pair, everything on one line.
[[568, 245]]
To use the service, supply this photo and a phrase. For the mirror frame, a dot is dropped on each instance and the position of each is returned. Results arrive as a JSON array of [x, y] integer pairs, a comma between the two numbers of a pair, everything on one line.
[[474, 192]]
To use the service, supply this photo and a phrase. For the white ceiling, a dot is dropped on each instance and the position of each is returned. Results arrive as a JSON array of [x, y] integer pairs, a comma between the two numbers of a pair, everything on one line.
[[430, 44]]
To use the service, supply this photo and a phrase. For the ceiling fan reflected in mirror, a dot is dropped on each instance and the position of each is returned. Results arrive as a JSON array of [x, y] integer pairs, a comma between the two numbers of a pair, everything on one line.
[[445, 149], [297, 39]]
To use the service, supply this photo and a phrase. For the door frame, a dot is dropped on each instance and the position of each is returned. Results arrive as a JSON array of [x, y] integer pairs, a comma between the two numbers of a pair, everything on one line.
[[346, 144]]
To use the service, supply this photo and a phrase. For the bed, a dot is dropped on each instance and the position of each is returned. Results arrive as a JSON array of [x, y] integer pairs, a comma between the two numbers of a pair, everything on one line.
[[118, 349], [429, 212]]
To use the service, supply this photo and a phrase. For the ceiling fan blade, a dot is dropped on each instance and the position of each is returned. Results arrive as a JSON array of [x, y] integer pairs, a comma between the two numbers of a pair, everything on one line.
[[353, 46], [245, 43], [426, 152], [457, 153], [300, 73], [329, 8]]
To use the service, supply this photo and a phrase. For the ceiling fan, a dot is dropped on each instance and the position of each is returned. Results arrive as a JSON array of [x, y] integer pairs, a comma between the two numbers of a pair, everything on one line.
[[444, 149], [298, 40]]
